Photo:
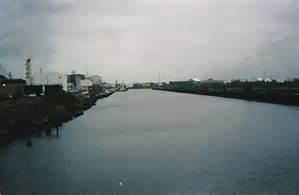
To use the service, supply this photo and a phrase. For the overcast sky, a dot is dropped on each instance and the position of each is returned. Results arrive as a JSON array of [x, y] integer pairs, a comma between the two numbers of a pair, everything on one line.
[[134, 40]]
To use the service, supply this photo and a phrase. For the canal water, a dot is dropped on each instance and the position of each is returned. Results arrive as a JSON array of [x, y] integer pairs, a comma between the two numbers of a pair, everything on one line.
[[155, 142]]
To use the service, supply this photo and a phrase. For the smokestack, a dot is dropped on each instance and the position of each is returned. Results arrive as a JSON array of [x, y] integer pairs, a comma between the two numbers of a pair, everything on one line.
[[28, 72]]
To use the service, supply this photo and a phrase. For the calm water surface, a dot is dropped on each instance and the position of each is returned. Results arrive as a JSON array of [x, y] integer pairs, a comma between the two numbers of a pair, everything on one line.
[[154, 142]]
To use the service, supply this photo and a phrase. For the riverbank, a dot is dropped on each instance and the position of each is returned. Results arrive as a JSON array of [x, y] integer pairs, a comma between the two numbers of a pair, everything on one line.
[[27, 116], [286, 93]]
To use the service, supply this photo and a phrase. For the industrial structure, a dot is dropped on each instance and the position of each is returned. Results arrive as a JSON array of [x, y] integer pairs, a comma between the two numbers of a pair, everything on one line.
[[28, 76]]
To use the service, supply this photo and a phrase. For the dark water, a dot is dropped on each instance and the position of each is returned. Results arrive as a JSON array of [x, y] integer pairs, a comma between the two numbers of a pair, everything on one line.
[[153, 142]]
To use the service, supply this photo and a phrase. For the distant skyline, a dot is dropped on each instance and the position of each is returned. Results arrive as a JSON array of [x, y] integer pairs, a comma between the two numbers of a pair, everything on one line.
[[135, 40]]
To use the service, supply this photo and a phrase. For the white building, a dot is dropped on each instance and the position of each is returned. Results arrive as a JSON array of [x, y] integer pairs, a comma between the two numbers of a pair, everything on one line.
[[50, 78], [195, 81], [84, 84], [212, 81], [74, 82], [96, 79], [267, 79]]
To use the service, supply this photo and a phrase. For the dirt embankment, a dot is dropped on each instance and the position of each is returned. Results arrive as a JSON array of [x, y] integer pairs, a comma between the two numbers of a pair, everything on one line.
[[26, 116]]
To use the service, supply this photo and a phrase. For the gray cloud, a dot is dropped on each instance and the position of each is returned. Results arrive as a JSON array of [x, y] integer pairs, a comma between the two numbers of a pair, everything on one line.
[[135, 39], [23, 32]]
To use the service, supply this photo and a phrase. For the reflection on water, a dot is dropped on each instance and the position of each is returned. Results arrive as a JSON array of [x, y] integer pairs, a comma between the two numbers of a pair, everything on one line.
[[153, 142]]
